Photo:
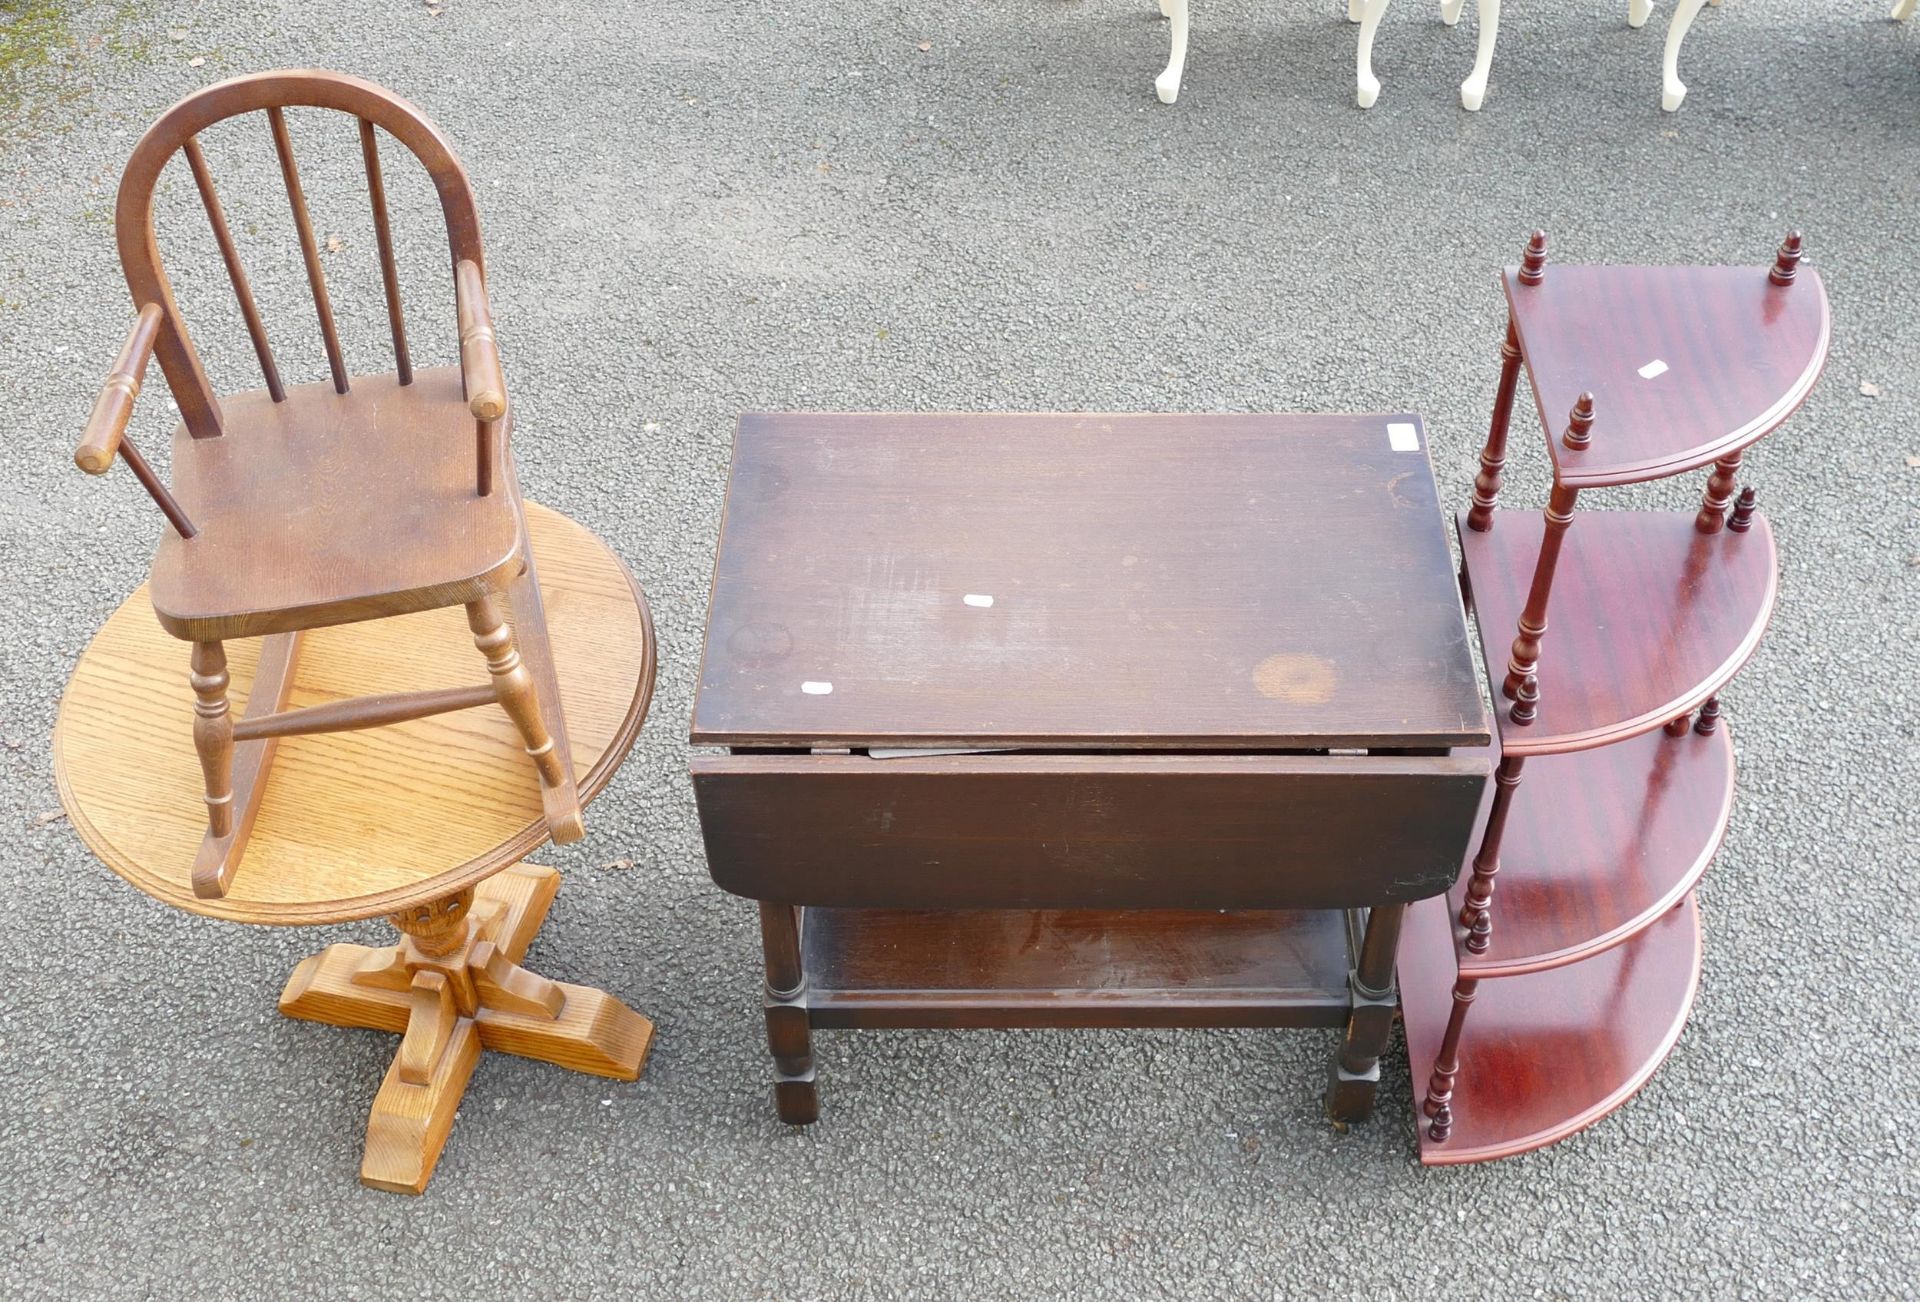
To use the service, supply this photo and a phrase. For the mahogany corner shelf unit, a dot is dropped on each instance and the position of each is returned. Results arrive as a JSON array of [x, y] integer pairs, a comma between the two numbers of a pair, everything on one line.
[[1085, 720], [1571, 982]]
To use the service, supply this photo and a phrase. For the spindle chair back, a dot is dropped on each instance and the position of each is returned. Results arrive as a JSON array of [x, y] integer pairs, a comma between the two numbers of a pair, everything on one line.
[[361, 497]]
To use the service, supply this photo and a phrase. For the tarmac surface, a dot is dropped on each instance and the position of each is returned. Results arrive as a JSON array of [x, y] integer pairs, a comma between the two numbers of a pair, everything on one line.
[[700, 208]]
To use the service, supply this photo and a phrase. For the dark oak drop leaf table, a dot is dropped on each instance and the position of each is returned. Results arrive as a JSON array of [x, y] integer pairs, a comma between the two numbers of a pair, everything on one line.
[[1085, 720]]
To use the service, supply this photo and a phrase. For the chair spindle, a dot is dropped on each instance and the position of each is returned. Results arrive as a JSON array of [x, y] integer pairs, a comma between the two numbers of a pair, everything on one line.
[[309, 248], [256, 330], [383, 236]]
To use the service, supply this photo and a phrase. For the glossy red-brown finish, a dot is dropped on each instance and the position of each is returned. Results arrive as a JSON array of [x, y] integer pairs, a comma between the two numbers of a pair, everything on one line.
[[1654, 617], [1600, 845], [1133, 967], [1196, 581], [1739, 353], [1549, 1054], [1493, 455]]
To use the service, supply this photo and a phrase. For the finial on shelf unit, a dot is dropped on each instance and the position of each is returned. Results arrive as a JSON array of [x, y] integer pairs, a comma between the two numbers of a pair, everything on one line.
[[1786, 263], [1533, 264], [1580, 424], [1742, 512]]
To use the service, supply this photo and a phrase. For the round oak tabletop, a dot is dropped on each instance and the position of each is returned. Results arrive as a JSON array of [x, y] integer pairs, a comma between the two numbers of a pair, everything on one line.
[[353, 824]]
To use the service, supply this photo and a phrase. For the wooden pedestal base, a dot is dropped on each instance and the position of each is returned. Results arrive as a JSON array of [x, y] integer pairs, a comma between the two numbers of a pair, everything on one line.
[[453, 985]]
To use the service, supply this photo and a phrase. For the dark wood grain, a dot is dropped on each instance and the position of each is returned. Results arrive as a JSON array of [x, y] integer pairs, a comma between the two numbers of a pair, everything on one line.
[[1600, 845], [1741, 353], [1649, 617], [1548, 1054], [1217, 581], [1085, 831], [884, 968]]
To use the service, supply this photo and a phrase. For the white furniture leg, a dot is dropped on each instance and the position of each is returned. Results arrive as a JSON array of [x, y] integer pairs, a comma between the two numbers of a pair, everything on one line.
[[1672, 89], [1638, 11], [1902, 10], [1167, 84], [1368, 85], [1356, 10], [1473, 91], [1450, 11]]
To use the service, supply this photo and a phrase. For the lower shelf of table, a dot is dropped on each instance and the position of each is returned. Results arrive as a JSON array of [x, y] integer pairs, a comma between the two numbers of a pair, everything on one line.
[[1075, 968], [1549, 1053]]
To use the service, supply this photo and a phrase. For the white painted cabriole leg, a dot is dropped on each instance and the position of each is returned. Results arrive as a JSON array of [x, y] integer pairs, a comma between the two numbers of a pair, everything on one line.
[[1638, 11], [1167, 85], [1672, 89], [1450, 11], [1369, 85], [1902, 10], [1473, 91]]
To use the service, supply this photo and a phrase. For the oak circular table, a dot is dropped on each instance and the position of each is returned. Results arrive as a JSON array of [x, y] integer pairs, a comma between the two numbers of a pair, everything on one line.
[[425, 822]]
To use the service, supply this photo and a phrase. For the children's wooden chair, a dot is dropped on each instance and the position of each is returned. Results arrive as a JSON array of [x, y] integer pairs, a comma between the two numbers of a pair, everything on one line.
[[324, 504]]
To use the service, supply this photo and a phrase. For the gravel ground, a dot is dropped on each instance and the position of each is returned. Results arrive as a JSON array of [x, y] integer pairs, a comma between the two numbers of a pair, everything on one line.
[[699, 208]]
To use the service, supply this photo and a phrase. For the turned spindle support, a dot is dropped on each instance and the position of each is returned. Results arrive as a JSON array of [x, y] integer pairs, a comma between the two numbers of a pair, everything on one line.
[[1533, 619], [1719, 494], [1742, 512], [1786, 262], [1709, 717], [1526, 701], [1438, 1106], [1476, 910], [1493, 457], [1678, 725], [213, 732]]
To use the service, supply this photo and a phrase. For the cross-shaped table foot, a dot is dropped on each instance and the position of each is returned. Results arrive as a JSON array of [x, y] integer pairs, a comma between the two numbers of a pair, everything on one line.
[[453, 985]]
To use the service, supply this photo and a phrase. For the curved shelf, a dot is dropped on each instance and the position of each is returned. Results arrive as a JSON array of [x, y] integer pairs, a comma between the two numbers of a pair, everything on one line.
[[1686, 364], [1547, 1055], [1600, 845], [1649, 618]]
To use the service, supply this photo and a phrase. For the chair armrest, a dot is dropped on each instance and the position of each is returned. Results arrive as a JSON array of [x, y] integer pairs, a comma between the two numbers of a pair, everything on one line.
[[114, 407], [479, 356]]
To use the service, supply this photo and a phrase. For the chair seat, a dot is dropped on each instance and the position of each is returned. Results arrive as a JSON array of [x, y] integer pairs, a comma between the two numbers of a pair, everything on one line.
[[330, 508]]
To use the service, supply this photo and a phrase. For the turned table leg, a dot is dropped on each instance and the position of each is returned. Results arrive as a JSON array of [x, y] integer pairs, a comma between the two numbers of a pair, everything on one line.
[[1356, 1072], [789, 1033], [452, 986]]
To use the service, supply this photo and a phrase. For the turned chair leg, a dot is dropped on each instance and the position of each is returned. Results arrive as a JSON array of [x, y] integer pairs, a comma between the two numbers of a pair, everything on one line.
[[213, 733], [1672, 89], [789, 1033], [1473, 91], [1367, 86], [513, 687], [1167, 84]]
